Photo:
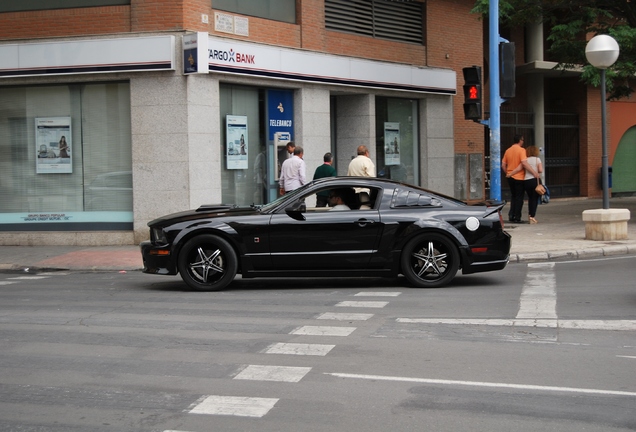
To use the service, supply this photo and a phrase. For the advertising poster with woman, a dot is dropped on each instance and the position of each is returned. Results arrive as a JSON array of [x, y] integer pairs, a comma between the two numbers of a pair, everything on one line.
[[53, 145], [391, 143], [236, 152]]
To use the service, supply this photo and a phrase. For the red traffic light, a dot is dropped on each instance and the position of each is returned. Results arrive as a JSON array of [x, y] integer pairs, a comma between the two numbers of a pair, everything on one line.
[[472, 92]]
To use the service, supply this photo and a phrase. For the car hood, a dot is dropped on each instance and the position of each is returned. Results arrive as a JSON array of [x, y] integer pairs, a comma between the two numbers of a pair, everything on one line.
[[205, 212]]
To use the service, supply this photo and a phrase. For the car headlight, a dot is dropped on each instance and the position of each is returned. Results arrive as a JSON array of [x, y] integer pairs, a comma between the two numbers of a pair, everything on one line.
[[158, 236]]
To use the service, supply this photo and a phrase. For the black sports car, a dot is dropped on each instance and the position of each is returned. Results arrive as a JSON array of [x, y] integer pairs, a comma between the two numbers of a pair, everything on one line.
[[387, 228]]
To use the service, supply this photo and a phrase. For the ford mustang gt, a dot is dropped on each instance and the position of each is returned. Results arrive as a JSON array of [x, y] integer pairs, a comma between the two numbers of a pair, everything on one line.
[[390, 228]]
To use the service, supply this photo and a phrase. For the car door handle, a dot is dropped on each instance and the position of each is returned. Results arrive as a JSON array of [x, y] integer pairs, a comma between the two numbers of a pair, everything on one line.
[[364, 222]]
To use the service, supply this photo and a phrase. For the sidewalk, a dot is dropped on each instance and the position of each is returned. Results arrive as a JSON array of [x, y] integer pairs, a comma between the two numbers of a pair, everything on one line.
[[559, 235]]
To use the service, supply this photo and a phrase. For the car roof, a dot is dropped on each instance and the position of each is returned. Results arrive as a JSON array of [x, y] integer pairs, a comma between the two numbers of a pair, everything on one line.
[[379, 182]]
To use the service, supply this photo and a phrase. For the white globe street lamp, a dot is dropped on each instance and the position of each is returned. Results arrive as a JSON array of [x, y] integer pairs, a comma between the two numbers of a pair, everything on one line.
[[602, 51]]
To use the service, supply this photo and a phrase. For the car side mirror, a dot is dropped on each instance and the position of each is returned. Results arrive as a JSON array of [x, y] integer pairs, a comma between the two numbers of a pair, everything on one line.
[[296, 210]]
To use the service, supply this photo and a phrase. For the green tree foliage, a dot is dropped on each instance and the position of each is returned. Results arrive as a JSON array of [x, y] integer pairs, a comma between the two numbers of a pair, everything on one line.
[[570, 24]]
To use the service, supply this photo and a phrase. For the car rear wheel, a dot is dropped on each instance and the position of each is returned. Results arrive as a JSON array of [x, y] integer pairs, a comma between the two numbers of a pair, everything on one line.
[[207, 263], [430, 260]]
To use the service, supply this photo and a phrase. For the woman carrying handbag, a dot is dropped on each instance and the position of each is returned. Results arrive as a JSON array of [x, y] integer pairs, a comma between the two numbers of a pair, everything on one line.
[[531, 181]]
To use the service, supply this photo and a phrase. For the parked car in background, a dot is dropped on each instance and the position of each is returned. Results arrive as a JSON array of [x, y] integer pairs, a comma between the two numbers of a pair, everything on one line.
[[402, 229]]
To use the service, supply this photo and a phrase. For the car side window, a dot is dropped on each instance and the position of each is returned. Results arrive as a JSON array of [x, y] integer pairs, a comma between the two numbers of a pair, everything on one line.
[[351, 197]]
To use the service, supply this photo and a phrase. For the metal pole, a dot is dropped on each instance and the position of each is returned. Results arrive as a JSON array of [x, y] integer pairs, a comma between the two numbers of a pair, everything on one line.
[[604, 167], [495, 102]]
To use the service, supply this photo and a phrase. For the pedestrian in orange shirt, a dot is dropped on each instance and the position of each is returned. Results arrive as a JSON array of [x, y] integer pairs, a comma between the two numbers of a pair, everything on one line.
[[514, 156]]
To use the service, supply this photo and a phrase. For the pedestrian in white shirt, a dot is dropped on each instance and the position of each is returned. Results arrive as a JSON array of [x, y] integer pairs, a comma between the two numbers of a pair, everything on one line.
[[362, 165], [292, 172]]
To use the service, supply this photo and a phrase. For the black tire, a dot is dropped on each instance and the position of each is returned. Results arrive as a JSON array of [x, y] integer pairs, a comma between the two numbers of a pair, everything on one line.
[[430, 260], [207, 263]]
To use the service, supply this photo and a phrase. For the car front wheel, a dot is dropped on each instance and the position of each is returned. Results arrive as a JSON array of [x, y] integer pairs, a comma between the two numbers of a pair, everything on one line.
[[207, 263], [430, 260]]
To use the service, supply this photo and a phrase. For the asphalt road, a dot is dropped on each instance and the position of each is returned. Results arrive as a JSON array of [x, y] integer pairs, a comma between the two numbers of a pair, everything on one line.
[[536, 347]]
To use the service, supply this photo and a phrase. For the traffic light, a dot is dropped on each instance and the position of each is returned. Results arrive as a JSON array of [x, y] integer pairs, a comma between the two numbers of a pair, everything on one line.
[[472, 93]]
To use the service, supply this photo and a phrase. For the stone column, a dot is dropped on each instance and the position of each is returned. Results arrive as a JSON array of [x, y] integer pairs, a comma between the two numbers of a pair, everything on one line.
[[355, 126], [536, 84], [175, 145], [311, 115], [437, 144]]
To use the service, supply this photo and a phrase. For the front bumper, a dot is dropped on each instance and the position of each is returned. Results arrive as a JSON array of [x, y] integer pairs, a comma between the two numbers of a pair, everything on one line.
[[157, 259]]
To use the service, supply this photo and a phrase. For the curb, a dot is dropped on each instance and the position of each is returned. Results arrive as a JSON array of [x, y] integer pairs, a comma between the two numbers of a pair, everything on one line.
[[13, 268], [574, 255]]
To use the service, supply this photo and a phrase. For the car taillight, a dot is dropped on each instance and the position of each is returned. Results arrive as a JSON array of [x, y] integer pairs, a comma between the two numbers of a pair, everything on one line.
[[501, 219]]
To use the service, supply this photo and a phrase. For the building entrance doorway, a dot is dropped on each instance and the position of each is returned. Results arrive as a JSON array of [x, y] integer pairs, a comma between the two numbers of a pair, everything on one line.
[[560, 156]]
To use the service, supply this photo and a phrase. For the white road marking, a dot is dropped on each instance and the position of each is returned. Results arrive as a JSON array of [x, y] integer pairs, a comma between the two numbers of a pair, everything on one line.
[[323, 331], [299, 349], [538, 297], [344, 316], [7, 282], [537, 308], [626, 325], [484, 384], [273, 373], [606, 258], [487, 322], [629, 325], [629, 357], [377, 294], [235, 406], [362, 304], [28, 277]]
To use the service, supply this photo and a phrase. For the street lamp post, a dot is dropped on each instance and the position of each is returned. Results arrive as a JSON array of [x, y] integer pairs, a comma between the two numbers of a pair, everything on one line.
[[602, 51]]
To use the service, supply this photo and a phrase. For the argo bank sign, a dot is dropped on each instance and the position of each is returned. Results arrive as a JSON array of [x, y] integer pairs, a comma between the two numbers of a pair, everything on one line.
[[232, 56], [238, 57]]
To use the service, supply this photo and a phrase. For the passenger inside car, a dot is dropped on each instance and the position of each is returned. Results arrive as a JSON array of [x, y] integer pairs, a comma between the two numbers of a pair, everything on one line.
[[365, 201], [342, 199]]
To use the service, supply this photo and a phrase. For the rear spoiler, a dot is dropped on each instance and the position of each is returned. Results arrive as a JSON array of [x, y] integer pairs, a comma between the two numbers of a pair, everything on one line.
[[494, 206]]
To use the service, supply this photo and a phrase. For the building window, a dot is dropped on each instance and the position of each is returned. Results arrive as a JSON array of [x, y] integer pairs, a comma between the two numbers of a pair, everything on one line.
[[67, 158], [32, 5], [398, 21], [255, 124], [397, 145], [277, 10], [244, 166]]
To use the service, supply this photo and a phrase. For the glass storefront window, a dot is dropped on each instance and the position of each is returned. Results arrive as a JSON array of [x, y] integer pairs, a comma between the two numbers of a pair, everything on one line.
[[397, 142], [244, 180], [68, 157], [255, 124]]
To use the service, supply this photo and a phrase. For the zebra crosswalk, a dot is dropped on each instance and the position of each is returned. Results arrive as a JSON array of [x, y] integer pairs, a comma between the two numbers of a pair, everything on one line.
[[258, 406]]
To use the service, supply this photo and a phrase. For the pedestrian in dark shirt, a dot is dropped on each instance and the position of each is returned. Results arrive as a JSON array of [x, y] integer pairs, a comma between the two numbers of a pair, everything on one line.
[[324, 170]]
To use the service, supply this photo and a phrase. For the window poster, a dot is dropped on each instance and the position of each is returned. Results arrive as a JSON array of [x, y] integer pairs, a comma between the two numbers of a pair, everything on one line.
[[236, 133], [391, 143], [53, 145]]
